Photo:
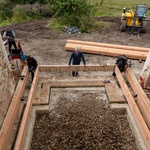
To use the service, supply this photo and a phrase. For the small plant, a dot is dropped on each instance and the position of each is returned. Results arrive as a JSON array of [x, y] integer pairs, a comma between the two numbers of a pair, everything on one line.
[[20, 15]]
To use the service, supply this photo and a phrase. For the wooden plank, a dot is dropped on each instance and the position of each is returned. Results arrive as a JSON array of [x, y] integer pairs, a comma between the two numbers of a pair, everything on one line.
[[77, 83], [107, 51], [40, 101], [66, 68], [15, 127], [123, 47], [24, 124], [44, 97], [134, 109], [114, 93], [142, 100], [9, 121]]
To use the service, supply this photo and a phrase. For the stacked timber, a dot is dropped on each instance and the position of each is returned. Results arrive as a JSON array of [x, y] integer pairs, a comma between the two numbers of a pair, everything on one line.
[[108, 49]]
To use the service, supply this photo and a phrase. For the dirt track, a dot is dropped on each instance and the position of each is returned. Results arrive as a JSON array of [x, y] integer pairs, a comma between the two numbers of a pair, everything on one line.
[[47, 46]]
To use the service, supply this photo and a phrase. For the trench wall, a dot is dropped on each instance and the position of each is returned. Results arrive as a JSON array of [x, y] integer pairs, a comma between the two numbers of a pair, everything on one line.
[[7, 84]]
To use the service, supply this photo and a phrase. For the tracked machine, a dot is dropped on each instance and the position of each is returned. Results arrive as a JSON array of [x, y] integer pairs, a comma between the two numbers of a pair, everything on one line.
[[134, 21]]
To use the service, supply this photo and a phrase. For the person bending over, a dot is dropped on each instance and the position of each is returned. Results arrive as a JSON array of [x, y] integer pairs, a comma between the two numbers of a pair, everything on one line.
[[121, 62], [32, 65]]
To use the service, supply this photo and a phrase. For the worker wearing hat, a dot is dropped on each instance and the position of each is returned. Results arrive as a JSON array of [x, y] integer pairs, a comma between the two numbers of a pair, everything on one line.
[[10, 35], [32, 65]]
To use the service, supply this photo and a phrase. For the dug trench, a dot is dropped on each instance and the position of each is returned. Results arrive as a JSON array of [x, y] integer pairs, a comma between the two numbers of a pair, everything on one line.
[[81, 118]]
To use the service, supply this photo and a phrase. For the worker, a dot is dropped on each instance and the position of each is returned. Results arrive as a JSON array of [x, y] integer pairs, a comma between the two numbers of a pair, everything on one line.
[[10, 36], [32, 65], [121, 62], [75, 58]]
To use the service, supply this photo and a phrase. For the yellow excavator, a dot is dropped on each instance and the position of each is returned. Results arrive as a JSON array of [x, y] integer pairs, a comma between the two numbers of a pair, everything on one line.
[[134, 21]]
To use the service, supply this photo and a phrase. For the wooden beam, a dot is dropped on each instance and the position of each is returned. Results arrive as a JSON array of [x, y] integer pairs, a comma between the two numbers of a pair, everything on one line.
[[44, 97], [107, 51], [24, 124], [142, 100], [66, 68], [9, 121], [134, 109], [123, 47], [76, 83]]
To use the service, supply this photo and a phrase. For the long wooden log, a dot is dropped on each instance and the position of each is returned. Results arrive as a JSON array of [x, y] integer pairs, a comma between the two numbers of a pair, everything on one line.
[[9, 121], [24, 124], [67, 68], [123, 47], [107, 51], [134, 109], [142, 100]]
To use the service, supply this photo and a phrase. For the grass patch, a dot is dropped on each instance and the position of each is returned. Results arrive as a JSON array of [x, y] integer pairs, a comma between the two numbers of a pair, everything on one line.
[[55, 24], [97, 25], [115, 7]]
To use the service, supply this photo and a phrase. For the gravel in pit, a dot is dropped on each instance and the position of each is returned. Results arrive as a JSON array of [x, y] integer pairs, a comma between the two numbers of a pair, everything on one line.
[[82, 120]]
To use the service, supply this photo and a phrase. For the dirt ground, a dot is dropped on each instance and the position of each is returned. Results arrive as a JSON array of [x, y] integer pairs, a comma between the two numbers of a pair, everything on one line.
[[82, 119], [47, 46]]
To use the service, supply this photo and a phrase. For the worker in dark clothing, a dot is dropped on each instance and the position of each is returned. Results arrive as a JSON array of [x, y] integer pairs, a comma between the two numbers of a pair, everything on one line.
[[121, 62], [10, 36], [75, 58], [32, 65]]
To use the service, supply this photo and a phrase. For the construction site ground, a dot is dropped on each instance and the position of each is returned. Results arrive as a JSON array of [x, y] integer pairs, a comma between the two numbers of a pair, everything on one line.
[[47, 46]]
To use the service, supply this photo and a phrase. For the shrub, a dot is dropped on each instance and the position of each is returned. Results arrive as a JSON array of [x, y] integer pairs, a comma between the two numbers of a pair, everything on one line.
[[5, 11], [74, 12], [29, 1]]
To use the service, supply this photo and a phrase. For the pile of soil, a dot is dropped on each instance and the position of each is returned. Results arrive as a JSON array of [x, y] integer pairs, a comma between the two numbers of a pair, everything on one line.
[[87, 123]]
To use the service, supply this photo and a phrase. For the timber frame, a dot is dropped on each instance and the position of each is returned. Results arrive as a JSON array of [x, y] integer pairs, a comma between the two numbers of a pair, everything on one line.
[[140, 109]]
